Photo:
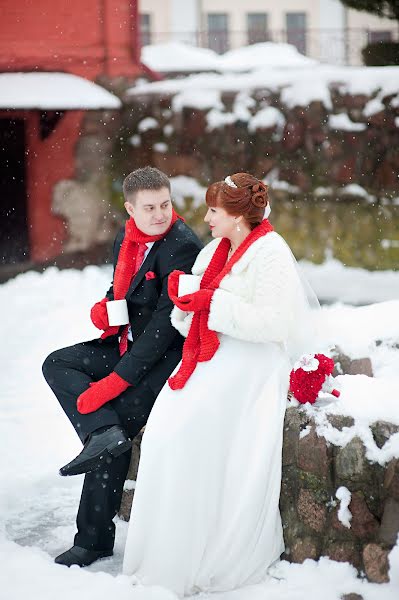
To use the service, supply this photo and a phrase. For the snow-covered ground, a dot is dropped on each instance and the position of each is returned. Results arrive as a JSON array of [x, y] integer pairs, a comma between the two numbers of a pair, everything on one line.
[[42, 312]]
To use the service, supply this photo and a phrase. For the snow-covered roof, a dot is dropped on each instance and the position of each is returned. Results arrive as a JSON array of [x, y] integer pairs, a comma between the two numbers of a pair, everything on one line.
[[53, 91], [180, 57]]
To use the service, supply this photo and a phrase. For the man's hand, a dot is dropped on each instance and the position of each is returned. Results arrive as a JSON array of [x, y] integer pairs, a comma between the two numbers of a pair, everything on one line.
[[101, 392], [99, 315], [200, 300]]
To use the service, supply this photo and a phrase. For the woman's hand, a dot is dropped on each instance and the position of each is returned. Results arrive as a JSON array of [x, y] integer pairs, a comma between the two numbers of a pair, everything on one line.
[[195, 302]]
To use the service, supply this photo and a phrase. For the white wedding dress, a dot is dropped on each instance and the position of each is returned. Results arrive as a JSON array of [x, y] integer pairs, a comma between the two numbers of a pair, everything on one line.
[[205, 514]]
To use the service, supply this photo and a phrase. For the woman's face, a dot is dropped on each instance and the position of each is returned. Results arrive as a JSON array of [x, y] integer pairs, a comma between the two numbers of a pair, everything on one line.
[[220, 222]]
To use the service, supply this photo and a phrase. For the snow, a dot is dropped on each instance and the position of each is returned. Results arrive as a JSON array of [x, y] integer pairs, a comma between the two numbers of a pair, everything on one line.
[[184, 187], [179, 57], [191, 99], [37, 508], [216, 118], [343, 122], [344, 514], [264, 54], [332, 281], [354, 189], [299, 85], [300, 93], [53, 91], [241, 112], [373, 107], [135, 140], [147, 124], [265, 118], [160, 147]]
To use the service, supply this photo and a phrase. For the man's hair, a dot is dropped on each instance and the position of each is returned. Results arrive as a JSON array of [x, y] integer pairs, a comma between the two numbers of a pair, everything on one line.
[[147, 178]]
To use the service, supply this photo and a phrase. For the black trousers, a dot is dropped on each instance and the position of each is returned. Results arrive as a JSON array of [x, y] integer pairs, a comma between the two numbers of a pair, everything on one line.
[[68, 372]]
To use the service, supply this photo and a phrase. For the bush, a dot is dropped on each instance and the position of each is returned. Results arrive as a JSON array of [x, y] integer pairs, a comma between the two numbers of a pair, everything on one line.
[[380, 54]]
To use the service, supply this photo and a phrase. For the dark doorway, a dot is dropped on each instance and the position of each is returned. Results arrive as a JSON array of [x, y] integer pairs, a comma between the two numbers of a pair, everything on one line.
[[14, 242]]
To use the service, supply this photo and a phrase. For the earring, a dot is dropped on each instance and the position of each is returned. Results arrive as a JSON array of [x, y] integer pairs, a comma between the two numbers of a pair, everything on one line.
[[238, 227]]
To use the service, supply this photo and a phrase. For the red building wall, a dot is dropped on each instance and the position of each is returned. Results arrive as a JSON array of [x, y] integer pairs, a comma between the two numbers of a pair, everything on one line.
[[84, 37]]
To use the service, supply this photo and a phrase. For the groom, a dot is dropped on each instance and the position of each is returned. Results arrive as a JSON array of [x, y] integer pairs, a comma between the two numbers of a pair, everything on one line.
[[107, 386]]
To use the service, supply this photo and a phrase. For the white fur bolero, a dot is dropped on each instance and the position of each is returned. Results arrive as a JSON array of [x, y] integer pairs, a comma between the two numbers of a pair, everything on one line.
[[256, 301]]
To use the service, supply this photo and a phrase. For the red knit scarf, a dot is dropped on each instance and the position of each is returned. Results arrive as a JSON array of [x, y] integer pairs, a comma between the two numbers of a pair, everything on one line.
[[126, 267], [202, 343], [132, 248]]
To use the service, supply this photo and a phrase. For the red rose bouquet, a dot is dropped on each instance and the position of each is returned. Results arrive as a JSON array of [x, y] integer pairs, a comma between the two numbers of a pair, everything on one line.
[[311, 375]]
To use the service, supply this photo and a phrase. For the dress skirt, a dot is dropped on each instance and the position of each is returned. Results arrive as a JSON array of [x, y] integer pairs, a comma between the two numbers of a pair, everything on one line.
[[205, 514]]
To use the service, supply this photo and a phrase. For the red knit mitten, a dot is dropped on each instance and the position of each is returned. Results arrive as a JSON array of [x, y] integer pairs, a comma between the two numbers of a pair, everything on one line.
[[101, 392], [195, 302], [99, 315], [173, 283]]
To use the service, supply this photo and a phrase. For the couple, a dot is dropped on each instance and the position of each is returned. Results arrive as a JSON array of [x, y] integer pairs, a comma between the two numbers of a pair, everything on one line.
[[205, 514]]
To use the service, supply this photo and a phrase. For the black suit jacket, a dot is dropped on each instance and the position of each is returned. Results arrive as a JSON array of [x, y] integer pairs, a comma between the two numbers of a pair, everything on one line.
[[157, 346]]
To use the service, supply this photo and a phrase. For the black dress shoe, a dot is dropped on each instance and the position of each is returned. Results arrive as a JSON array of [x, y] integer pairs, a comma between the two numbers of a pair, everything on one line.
[[100, 446], [80, 556]]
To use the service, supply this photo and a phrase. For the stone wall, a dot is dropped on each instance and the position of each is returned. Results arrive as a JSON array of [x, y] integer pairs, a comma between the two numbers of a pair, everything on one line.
[[311, 147], [313, 470]]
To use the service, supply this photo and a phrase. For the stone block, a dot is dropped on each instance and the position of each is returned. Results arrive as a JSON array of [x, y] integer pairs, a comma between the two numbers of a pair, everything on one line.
[[344, 365], [295, 421], [311, 512], [389, 528], [313, 455], [340, 421], [376, 564], [361, 366], [302, 549], [350, 463], [364, 525], [382, 431], [391, 479], [343, 551]]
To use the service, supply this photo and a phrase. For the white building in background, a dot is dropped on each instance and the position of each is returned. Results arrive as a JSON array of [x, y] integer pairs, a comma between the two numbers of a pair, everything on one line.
[[321, 29]]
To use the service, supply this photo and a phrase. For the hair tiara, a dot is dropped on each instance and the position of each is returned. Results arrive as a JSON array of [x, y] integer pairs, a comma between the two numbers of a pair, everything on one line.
[[230, 182]]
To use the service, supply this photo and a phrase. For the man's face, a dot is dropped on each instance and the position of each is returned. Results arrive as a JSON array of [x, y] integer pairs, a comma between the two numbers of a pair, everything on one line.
[[151, 210]]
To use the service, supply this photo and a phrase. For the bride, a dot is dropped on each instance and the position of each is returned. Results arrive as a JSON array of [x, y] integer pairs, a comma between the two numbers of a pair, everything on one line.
[[205, 514]]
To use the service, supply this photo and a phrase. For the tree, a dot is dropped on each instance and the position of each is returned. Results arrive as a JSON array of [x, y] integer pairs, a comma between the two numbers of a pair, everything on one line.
[[382, 8]]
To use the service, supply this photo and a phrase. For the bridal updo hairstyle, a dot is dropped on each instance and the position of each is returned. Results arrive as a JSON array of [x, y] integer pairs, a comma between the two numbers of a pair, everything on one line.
[[248, 199]]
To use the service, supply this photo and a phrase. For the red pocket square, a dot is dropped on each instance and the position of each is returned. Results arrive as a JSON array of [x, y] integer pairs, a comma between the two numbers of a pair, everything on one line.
[[150, 275]]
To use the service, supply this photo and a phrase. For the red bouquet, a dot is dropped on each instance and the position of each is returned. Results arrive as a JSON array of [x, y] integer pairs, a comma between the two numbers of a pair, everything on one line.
[[311, 375]]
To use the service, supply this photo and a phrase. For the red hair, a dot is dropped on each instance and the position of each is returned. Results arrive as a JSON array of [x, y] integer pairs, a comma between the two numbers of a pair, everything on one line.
[[248, 199]]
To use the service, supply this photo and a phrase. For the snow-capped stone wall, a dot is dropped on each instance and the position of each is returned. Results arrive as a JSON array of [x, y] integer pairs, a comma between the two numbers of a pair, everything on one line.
[[322, 139], [334, 502]]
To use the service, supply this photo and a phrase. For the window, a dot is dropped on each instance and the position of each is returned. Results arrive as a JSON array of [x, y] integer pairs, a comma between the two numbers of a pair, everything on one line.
[[296, 30], [379, 36], [145, 29], [218, 33], [257, 28]]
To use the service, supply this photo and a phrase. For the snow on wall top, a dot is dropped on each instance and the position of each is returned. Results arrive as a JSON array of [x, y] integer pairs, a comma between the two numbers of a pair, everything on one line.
[[300, 84]]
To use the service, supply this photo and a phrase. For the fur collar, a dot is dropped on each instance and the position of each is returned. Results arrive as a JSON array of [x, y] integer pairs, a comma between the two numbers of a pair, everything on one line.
[[206, 254]]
